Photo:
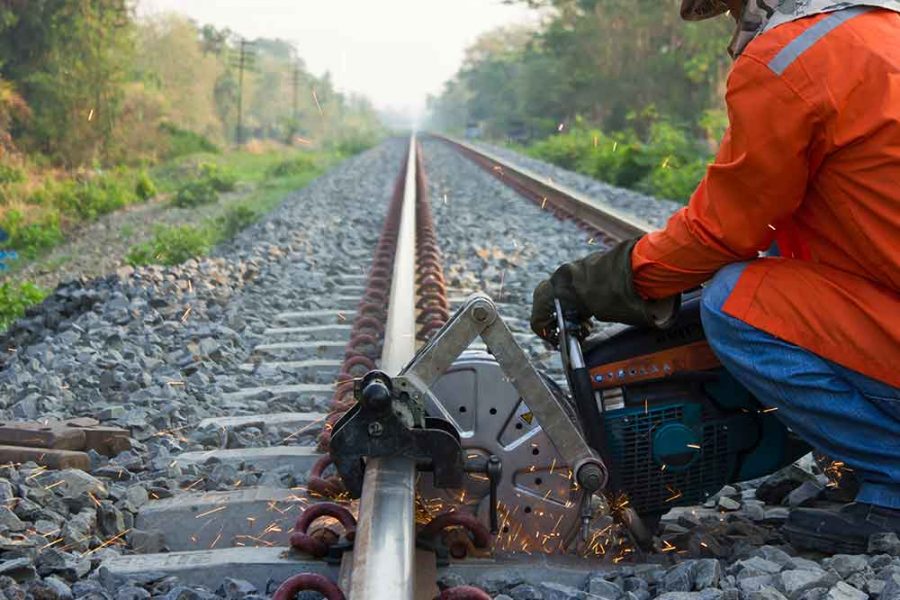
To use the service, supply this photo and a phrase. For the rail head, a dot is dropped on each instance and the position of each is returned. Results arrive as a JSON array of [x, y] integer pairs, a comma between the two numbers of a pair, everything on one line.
[[384, 548], [597, 212]]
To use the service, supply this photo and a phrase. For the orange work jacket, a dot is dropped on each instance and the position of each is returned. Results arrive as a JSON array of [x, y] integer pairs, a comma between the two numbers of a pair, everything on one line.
[[811, 160]]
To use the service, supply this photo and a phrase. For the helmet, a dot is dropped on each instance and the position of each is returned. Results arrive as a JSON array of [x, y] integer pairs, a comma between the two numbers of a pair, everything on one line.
[[698, 10]]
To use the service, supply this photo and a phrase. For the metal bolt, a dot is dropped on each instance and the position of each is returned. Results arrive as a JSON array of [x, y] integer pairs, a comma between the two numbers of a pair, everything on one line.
[[480, 314], [591, 477], [376, 429]]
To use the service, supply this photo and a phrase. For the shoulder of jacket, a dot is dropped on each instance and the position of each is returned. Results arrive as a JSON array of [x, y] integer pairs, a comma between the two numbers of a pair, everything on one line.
[[766, 46]]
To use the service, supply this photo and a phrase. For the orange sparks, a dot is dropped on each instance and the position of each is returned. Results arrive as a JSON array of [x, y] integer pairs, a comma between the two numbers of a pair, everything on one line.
[[51, 544], [273, 507], [676, 494], [196, 483], [210, 512], [303, 429], [108, 542], [36, 473]]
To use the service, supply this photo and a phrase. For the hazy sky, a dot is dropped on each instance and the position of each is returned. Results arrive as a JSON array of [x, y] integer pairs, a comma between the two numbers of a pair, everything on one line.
[[393, 51]]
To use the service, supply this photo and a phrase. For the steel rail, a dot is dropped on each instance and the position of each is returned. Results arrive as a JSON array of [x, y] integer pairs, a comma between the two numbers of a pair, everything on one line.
[[594, 212], [384, 548]]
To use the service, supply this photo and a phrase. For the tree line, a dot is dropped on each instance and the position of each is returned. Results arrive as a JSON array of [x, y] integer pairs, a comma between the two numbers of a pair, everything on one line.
[[86, 82], [599, 76]]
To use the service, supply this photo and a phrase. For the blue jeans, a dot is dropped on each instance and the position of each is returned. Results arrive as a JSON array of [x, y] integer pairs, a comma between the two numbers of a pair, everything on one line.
[[841, 413]]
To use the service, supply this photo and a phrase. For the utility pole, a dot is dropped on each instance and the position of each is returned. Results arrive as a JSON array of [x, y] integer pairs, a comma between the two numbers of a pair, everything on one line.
[[294, 127], [244, 61], [296, 103]]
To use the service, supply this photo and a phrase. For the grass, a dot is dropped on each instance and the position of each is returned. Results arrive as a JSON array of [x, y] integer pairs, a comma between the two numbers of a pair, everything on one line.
[[39, 209], [269, 177], [172, 245], [15, 298]]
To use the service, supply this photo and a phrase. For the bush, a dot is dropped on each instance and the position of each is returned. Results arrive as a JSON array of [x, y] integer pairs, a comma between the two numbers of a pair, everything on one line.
[[182, 142], [11, 174], [90, 198], [668, 164], [674, 162], [236, 220], [297, 165], [355, 144], [30, 239], [144, 188], [172, 246], [677, 183], [15, 298], [195, 193], [565, 150], [614, 159], [220, 178]]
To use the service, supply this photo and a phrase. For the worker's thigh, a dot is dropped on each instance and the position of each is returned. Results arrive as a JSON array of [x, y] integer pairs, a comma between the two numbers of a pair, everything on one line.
[[768, 358]]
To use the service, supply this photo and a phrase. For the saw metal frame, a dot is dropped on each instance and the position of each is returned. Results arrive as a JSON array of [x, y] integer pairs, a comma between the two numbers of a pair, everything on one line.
[[479, 318]]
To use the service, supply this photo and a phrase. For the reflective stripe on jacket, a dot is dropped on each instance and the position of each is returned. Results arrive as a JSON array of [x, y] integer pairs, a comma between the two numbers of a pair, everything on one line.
[[811, 160]]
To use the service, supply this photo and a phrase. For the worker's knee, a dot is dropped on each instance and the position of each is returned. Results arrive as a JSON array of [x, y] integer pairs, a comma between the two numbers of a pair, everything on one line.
[[721, 330]]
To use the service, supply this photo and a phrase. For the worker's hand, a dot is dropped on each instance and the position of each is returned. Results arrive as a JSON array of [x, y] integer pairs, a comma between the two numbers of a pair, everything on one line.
[[598, 285], [543, 308]]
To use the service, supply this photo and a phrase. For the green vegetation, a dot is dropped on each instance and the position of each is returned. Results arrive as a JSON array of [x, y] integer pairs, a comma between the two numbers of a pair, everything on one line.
[[195, 193], [10, 174], [15, 298], [144, 188], [628, 73], [182, 142], [91, 98], [100, 110], [30, 239], [173, 245], [204, 187], [275, 175], [292, 166], [666, 162], [219, 178], [236, 220]]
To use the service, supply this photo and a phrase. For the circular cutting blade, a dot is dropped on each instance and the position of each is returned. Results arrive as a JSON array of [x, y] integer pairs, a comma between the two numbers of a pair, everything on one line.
[[539, 504]]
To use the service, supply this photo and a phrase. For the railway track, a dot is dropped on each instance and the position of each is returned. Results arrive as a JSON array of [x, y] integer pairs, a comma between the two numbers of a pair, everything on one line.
[[230, 482], [242, 533]]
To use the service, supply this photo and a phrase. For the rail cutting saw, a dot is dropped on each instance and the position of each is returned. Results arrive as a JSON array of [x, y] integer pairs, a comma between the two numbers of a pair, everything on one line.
[[649, 416]]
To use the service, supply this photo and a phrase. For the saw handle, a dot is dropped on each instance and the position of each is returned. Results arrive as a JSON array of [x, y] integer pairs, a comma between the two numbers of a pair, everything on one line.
[[590, 411]]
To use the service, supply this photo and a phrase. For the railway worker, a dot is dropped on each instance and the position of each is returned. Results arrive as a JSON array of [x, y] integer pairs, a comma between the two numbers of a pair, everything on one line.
[[811, 164]]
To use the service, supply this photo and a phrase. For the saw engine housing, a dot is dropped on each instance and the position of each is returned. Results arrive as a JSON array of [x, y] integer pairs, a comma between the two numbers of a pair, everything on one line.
[[679, 426]]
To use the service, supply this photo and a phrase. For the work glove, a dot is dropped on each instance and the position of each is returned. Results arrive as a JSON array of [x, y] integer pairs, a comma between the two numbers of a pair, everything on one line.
[[598, 285]]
